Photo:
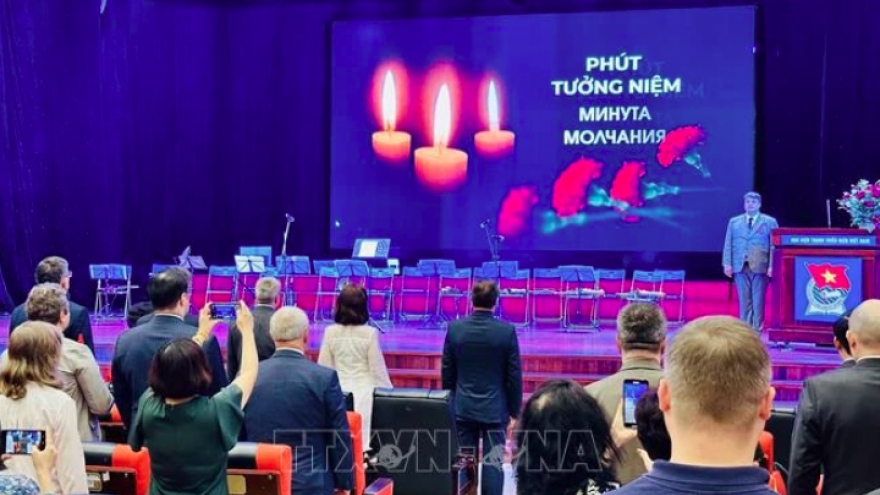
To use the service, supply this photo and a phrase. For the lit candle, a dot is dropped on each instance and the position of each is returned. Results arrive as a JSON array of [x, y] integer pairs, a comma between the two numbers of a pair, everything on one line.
[[440, 167], [493, 142], [389, 144]]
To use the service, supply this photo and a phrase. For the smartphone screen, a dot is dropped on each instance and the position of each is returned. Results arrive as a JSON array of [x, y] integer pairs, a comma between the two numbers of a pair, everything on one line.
[[223, 311], [23, 442], [633, 390]]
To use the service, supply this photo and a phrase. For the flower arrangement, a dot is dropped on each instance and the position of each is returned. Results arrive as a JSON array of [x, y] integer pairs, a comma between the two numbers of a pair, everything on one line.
[[862, 202]]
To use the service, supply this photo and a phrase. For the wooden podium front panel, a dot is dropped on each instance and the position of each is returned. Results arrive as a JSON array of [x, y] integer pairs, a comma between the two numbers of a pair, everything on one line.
[[822, 247]]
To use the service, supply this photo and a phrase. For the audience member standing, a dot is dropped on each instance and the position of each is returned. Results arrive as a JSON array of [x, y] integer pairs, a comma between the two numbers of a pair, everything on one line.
[[481, 365], [351, 347], [188, 435], [30, 400], [836, 430], [267, 289], [136, 348], [55, 270], [300, 403], [715, 397], [641, 339], [79, 374], [564, 443], [841, 344]]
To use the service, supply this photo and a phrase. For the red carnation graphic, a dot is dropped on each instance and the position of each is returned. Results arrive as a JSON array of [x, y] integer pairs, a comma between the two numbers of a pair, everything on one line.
[[625, 190], [516, 210], [570, 187], [681, 144]]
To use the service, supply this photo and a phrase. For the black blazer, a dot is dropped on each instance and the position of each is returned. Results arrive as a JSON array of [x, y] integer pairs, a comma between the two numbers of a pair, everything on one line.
[[190, 319], [481, 365], [836, 432], [79, 325], [135, 349], [265, 345], [299, 403]]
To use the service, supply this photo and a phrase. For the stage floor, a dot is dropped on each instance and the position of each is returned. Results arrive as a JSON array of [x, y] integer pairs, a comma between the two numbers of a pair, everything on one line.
[[413, 355]]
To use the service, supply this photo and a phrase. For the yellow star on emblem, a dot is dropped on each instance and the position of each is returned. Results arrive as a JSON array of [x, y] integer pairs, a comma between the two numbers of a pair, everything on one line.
[[829, 277]]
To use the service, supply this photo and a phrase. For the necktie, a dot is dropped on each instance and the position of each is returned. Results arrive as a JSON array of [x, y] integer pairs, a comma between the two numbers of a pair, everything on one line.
[[751, 221]]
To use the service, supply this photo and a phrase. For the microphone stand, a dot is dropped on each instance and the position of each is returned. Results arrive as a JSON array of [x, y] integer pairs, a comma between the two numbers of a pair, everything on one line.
[[285, 269], [492, 239]]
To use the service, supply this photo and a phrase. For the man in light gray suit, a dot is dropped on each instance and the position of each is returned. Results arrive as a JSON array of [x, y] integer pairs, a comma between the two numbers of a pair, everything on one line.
[[748, 258]]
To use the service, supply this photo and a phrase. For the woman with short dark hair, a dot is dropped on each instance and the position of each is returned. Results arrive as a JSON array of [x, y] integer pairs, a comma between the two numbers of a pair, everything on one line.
[[558, 437], [351, 347], [188, 435]]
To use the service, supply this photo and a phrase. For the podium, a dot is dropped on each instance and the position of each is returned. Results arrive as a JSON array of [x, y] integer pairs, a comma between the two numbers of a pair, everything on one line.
[[819, 274]]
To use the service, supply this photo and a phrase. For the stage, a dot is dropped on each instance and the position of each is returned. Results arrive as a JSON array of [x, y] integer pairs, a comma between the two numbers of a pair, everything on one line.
[[413, 355]]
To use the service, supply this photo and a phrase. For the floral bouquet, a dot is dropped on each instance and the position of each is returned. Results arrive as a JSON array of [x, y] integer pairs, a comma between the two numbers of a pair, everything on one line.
[[862, 202]]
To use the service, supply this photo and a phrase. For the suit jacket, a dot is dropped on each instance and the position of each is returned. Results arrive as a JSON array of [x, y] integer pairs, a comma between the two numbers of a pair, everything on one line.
[[608, 392], [481, 365], [190, 319], [265, 346], [135, 349], [79, 325], [836, 432], [742, 245], [299, 403], [848, 363]]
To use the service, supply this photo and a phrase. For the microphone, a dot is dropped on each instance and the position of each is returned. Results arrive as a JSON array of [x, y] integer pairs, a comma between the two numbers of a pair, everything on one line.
[[289, 217]]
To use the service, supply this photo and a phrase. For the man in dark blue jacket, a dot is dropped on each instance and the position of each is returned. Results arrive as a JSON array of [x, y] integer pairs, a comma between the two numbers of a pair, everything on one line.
[[55, 270], [135, 349], [299, 403], [481, 365]]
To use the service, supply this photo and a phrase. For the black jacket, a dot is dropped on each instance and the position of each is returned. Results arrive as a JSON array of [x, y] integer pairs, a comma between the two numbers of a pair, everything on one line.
[[481, 365], [265, 346]]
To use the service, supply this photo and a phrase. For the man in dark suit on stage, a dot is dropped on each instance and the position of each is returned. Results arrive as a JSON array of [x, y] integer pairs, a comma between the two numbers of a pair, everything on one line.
[[55, 270], [300, 403], [836, 430], [267, 289], [841, 327], [481, 365], [136, 348]]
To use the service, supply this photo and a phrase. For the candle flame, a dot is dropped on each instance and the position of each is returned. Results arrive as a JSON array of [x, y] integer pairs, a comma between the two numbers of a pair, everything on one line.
[[442, 118], [389, 102], [492, 101]]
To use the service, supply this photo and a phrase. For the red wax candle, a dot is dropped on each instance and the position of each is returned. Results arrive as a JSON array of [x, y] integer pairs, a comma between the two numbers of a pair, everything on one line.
[[440, 167], [388, 144], [494, 142]]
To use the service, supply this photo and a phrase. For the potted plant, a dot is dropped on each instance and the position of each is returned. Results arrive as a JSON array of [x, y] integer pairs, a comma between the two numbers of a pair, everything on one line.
[[862, 202]]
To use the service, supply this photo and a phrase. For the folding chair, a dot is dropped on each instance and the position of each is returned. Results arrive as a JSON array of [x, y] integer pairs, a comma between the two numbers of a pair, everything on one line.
[[612, 282], [114, 281], [457, 287], [328, 285], [381, 286], [579, 285], [221, 284], [672, 289], [514, 285], [645, 287], [288, 268], [546, 285], [414, 284]]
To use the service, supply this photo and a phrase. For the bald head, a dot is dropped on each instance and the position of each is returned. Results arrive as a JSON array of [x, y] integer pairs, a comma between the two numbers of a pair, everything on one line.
[[864, 329]]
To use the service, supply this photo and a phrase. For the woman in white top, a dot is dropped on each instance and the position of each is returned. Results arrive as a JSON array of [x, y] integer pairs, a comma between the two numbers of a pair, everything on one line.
[[352, 349], [30, 400]]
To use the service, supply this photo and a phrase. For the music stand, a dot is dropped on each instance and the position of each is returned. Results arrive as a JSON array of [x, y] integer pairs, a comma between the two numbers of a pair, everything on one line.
[[436, 269], [249, 265], [189, 262]]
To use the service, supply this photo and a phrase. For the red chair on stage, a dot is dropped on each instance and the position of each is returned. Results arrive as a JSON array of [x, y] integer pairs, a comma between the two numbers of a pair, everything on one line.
[[260, 469], [116, 469], [221, 284]]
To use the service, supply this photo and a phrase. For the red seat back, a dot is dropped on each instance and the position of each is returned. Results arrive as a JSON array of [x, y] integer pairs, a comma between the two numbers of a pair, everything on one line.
[[260, 469], [356, 424], [116, 469]]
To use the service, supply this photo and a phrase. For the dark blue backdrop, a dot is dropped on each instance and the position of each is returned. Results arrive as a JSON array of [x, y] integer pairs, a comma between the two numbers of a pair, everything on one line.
[[126, 136], [711, 52]]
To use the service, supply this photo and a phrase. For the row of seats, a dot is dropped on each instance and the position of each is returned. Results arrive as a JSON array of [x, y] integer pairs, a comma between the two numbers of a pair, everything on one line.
[[414, 451], [436, 290], [252, 469]]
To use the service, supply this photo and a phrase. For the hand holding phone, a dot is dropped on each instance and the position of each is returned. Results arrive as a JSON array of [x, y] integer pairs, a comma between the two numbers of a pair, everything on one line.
[[23, 442], [223, 311], [633, 390]]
